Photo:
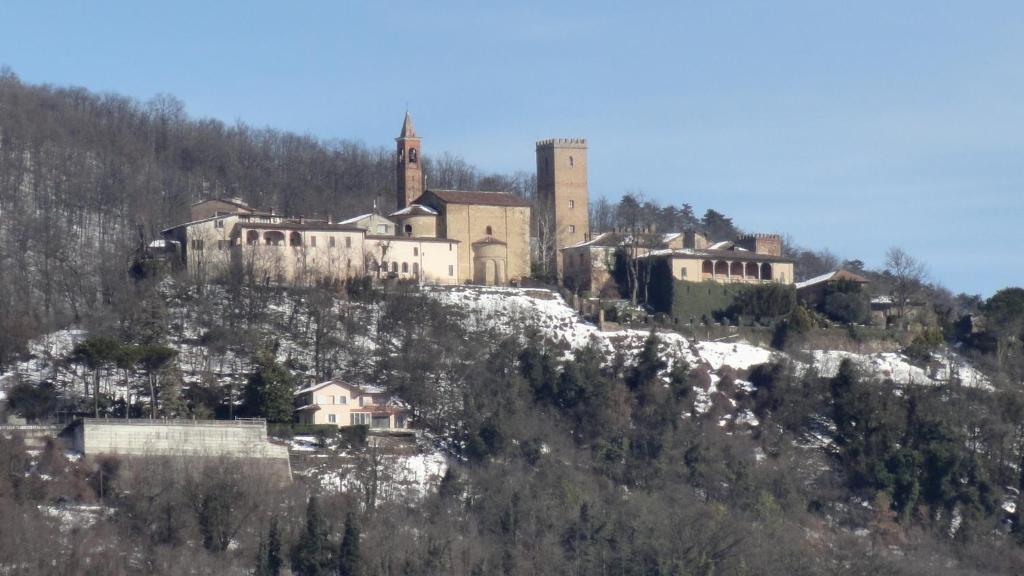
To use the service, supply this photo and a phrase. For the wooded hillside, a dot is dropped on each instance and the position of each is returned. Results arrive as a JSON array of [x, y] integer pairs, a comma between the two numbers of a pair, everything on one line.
[[86, 177]]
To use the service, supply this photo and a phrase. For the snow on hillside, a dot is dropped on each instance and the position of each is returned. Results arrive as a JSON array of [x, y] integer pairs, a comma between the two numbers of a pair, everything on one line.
[[512, 309], [508, 310], [897, 367], [46, 353], [733, 354]]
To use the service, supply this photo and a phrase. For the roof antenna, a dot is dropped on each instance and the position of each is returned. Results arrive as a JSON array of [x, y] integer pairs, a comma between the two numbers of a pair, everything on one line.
[[375, 206]]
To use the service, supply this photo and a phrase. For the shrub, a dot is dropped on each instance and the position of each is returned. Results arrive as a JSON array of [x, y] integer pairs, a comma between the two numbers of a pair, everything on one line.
[[922, 346]]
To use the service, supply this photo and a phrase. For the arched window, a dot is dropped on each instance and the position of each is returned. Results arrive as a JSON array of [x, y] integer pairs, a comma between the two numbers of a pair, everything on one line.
[[405, 267], [489, 231], [394, 267], [412, 155], [571, 162], [295, 239], [401, 155], [416, 269], [408, 229]]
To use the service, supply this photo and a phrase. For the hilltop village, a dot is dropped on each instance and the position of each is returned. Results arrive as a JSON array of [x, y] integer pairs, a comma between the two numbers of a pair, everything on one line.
[[459, 236], [263, 382]]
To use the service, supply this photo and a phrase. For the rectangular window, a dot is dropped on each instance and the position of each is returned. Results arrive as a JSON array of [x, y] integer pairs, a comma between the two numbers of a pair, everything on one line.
[[332, 418], [348, 241], [382, 228], [342, 400], [451, 270], [572, 228], [415, 251], [360, 418], [222, 244], [218, 223], [381, 421], [312, 241], [572, 203], [332, 241]]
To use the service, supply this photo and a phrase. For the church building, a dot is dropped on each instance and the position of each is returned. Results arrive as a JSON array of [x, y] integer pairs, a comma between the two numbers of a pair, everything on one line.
[[492, 229]]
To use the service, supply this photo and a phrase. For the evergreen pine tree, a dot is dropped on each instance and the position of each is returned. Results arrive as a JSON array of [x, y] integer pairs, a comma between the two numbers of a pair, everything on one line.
[[312, 554], [348, 555], [268, 392]]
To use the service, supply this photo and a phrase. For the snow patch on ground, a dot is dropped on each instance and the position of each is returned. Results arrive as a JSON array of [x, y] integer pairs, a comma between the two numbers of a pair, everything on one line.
[[898, 368], [738, 355]]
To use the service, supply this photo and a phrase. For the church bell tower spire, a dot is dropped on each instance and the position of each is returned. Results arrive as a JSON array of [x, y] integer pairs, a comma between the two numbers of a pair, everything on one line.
[[408, 166]]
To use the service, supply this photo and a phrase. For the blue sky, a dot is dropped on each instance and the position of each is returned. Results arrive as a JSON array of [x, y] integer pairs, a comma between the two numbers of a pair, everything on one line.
[[849, 126]]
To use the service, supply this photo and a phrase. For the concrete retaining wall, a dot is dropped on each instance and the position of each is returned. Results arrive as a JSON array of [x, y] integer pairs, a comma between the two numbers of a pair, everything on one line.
[[226, 438]]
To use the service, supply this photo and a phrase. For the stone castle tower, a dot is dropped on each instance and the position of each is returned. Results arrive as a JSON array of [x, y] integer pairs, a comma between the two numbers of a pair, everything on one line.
[[563, 217], [410, 174]]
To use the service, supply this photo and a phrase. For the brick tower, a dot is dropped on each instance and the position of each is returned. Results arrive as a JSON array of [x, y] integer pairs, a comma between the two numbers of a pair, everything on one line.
[[563, 213], [410, 175]]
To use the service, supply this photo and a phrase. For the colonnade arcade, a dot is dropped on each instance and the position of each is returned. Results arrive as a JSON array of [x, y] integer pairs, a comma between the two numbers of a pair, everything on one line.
[[731, 271]]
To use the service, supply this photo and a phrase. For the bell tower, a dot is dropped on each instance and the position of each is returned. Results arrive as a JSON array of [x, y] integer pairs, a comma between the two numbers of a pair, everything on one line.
[[410, 174]]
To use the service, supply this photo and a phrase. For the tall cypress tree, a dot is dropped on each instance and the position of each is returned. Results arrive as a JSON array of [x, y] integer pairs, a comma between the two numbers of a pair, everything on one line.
[[312, 554], [348, 555]]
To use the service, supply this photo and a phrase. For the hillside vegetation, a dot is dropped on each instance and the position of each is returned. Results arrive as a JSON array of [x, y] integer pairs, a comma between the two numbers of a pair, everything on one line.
[[548, 446]]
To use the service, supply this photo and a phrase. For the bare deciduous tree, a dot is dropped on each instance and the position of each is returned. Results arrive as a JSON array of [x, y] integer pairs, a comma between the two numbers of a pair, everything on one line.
[[908, 274]]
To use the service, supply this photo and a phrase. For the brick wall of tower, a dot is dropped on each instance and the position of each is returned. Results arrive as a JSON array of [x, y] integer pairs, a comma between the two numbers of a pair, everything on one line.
[[410, 173], [770, 244], [562, 192]]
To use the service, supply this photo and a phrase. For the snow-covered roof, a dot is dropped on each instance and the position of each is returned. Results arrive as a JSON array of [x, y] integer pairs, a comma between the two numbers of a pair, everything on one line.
[[158, 244], [356, 219], [833, 275], [362, 388], [720, 245], [745, 255], [414, 209], [815, 280], [670, 236], [593, 240]]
